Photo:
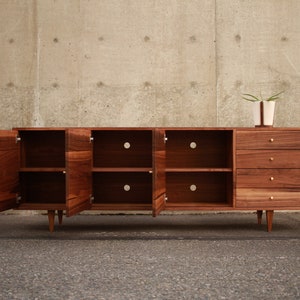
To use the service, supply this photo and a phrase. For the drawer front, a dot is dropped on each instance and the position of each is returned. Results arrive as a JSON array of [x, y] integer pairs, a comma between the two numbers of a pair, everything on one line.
[[268, 159], [268, 139], [268, 178], [268, 198]]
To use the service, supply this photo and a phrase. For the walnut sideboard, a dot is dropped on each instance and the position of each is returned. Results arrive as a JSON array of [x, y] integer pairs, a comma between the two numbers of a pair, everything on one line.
[[155, 169]]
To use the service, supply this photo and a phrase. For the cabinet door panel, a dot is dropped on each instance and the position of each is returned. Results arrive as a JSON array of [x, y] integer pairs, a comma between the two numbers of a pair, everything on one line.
[[9, 166], [79, 175], [268, 199], [285, 139], [268, 159], [268, 178], [159, 173]]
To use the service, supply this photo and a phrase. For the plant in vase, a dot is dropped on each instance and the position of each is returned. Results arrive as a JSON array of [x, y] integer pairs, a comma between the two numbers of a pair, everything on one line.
[[263, 109]]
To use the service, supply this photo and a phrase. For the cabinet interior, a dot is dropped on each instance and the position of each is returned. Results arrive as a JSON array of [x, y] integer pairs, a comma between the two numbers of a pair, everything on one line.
[[199, 149], [42, 149], [199, 188], [122, 187], [43, 187], [122, 148]]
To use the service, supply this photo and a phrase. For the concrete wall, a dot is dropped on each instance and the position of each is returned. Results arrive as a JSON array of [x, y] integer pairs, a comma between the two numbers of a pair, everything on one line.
[[146, 62]]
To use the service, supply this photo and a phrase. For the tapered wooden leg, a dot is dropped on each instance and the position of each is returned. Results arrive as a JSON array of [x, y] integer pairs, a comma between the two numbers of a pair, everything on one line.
[[51, 217], [269, 214], [60, 216], [259, 216]]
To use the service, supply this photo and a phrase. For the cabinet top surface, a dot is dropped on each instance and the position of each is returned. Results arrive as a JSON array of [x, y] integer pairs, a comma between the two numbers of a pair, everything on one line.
[[161, 128]]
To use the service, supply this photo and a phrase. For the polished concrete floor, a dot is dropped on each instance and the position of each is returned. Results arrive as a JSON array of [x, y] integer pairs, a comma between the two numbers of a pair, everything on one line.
[[181, 256]]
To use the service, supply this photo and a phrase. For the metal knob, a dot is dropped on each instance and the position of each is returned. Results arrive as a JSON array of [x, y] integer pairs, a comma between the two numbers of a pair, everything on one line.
[[271, 198], [271, 140], [271, 178], [271, 158]]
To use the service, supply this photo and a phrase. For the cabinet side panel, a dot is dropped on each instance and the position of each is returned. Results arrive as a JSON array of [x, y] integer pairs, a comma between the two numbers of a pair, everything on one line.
[[9, 166], [79, 175], [159, 173]]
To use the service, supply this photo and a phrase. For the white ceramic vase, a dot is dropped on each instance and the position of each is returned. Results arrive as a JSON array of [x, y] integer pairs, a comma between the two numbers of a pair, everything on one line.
[[263, 113], [256, 113], [269, 110]]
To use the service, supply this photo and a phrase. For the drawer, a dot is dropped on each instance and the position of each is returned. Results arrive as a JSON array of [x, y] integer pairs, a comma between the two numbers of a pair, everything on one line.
[[268, 159], [268, 178], [268, 198], [268, 139]]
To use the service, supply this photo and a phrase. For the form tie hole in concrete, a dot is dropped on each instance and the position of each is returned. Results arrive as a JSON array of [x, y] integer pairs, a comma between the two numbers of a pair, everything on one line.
[[55, 85], [237, 38], [193, 39], [55, 40], [284, 39], [100, 38], [147, 85], [193, 84], [11, 41], [10, 84], [146, 38], [100, 84]]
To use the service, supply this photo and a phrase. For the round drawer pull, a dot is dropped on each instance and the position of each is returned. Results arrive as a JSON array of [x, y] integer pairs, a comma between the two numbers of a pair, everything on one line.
[[271, 158], [193, 187], [271, 140], [127, 145], [126, 187], [193, 145], [271, 178], [271, 198]]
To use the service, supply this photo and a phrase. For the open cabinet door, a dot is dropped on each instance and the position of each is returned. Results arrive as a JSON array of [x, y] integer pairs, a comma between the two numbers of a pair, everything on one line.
[[9, 166], [78, 170], [159, 173]]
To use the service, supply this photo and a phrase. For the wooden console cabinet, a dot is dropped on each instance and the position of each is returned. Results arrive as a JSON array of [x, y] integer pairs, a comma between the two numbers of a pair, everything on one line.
[[76, 169]]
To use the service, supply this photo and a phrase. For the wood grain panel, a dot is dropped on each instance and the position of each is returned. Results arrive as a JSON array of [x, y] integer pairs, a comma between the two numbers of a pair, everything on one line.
[[268, 159], [268, 198], [159, 173], [285, 139], [268, 178], [79, 175], [9, 165]]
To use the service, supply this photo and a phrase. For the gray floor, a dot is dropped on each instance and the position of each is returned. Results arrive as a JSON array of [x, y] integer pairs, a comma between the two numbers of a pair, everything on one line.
[[206, 256]]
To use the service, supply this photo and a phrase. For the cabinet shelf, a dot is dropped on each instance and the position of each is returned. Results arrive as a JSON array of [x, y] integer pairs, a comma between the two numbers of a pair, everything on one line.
[[148, 170], [177, 170], [58, 170]]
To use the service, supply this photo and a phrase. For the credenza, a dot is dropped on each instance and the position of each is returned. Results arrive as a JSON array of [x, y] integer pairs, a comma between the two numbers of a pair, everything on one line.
[[221, 169]]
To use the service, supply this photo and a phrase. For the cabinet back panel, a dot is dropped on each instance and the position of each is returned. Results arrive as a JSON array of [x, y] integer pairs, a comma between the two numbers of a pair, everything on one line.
[[122, 148], [42, 149], [202, 149], [122, 187], [199, 187], [43, 187]]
